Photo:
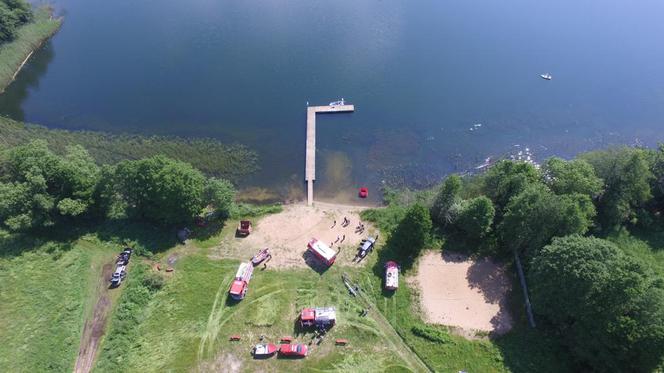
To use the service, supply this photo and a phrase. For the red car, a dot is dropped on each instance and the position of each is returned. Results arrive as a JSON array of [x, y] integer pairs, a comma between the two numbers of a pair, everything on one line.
[[364, 192], [296, 350]]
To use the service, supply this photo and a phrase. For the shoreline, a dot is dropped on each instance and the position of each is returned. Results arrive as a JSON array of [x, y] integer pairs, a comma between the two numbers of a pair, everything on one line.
[[31, 38]]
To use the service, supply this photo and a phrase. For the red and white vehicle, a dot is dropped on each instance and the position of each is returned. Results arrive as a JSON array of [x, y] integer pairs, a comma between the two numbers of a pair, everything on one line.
[[296, 350], [391, 275], [323, 252], [321, 317], [240, 285], [264, 350]]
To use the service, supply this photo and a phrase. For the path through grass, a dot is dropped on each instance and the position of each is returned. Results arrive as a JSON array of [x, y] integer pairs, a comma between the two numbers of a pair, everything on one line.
[[44, 296]]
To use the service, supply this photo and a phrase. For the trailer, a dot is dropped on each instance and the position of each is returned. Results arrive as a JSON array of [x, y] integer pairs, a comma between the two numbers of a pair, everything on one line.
[[391, 275], [321, 251], [260, 256], [240, 285], [320, 317], [365, 248]]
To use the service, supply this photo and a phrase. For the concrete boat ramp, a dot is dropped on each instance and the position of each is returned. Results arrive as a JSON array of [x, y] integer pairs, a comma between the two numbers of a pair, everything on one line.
[[310, 166]]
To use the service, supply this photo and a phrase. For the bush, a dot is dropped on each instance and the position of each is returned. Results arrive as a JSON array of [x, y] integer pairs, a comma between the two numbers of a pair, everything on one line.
[[245, 210], [153, 281], [433, 334]]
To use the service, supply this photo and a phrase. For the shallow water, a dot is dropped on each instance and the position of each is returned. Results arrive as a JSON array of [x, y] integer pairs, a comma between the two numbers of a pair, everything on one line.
[[422, 76]]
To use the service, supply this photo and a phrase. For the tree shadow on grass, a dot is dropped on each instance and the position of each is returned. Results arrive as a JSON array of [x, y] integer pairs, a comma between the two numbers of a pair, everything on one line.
[[16, 244], [143, 237], [212, 229], [654, 237], [524, 349]]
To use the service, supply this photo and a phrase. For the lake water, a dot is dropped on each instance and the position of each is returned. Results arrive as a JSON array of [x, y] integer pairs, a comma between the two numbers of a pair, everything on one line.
[[421, 75]]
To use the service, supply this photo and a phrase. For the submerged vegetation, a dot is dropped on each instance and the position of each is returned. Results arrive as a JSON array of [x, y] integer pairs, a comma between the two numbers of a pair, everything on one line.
[[210, 156], [21, 33]]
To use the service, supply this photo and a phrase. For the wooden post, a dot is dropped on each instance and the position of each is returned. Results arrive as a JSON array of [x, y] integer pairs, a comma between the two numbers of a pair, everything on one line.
[[524, 287]]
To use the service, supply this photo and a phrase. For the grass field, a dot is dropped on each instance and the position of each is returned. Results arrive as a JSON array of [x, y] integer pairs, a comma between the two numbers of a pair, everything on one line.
[[46, 289], [187, 324], [30, 37]]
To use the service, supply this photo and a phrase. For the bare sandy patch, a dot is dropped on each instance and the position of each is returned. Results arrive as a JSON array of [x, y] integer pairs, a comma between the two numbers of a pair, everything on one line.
[[287, 234], [460, 292]]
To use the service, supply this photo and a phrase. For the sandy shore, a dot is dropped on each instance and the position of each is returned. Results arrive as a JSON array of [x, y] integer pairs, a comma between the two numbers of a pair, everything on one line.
[[459, 292], [287, 234]]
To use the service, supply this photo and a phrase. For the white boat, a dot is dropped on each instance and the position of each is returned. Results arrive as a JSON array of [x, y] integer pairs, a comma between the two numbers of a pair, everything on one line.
[[338, 103], [546, 76]]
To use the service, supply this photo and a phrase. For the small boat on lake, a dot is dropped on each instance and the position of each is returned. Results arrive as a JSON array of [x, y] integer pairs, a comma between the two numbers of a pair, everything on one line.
[[546, 76], [338, 103]]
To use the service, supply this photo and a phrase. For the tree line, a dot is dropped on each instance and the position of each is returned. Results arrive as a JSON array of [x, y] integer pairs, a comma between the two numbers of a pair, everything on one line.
[[41, 189], [13, 14], [606, 306]]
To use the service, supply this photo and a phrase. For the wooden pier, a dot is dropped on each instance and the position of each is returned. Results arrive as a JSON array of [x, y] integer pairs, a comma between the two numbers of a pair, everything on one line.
[[310, 166]]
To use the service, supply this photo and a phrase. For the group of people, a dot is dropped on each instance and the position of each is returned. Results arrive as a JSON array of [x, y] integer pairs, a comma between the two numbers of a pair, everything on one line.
[[346, 222]]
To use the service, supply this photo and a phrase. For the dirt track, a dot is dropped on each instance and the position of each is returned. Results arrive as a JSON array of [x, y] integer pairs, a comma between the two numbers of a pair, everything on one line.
[[94, 328]]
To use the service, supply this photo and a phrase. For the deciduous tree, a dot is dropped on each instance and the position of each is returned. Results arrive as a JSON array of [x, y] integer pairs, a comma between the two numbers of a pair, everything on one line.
[[536, 215], [161, 189], [606, 307], [570, 177], [627, 178]]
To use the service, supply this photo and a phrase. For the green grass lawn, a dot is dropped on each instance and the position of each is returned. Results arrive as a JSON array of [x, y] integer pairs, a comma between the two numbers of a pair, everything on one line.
[[187, 324], [45, 291], [29, 38]]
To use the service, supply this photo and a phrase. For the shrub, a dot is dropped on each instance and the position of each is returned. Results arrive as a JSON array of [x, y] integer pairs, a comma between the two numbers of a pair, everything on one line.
[[433, 334]]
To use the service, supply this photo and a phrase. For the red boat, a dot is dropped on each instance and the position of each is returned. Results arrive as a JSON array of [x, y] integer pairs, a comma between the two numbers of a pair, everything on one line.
[[264, 350], [260, 256], [364, 192]]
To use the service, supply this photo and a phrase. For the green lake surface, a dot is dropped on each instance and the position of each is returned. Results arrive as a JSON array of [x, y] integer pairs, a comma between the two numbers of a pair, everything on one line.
[[439, 86]]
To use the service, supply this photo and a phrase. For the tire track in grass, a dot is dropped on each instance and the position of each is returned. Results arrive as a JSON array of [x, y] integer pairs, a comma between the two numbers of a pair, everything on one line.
[[212, 328], [216, 317], [95, 324]]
